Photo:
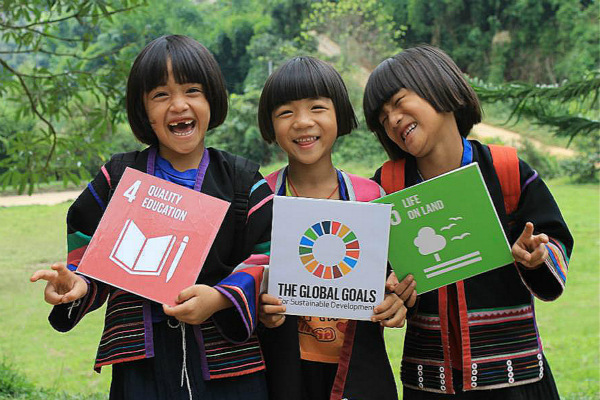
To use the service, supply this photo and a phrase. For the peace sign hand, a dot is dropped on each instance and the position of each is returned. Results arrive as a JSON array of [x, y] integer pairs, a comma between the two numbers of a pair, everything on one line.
[[63, 285]]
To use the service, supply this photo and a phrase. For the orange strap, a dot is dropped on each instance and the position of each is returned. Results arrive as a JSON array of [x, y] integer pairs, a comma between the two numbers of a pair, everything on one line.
[[392, 175], [506, 164]]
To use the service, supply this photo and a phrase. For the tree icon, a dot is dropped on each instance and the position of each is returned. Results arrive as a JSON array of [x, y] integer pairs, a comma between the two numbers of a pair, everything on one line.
[[429, 242]]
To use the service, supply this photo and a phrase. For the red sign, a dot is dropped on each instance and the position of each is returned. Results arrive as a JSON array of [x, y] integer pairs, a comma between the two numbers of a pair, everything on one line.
[[153, 237]]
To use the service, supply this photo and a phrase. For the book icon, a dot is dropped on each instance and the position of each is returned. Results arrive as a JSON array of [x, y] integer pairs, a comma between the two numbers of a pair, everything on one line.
[[139, 255]]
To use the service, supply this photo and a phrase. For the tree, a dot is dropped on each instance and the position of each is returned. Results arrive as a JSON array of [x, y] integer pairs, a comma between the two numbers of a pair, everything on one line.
[[51, 75], [569, 110]]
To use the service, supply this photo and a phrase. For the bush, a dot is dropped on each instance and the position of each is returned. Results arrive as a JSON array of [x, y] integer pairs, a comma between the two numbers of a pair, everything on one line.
[[582, 169], [546, 165]]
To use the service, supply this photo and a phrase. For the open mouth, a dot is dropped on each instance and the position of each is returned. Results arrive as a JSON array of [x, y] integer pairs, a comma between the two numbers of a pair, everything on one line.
[[182, 128], [408, 130], [306, 140]]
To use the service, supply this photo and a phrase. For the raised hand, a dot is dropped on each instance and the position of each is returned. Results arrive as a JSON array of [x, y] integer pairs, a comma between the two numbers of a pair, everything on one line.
[[196, 304], [269, 311], [62, 286], [529, 250]]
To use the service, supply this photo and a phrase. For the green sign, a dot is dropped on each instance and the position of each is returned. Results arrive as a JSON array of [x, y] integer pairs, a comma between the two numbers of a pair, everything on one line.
[[445, 229]]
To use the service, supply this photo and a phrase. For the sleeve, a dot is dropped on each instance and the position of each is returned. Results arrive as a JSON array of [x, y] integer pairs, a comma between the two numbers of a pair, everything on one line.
[[537, 205], [249, 278], [82, 219]]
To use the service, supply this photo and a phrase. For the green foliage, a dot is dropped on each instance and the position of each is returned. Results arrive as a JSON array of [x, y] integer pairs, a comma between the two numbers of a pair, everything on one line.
[[569, 109], [525, 40], [547, 166], [51, 78], [239, 134], [362, 28]]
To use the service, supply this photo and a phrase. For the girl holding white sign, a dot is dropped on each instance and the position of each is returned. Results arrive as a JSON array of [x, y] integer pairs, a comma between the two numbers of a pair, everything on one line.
[[304, 107], [204, 346], [480, 333]]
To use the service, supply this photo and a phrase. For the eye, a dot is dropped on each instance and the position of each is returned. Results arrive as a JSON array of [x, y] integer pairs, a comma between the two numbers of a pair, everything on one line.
[[195, 89], [282, 113], [158, 95], [319, 107]]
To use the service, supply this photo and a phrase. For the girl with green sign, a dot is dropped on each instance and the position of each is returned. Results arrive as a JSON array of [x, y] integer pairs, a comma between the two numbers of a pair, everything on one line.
[[476, 338]]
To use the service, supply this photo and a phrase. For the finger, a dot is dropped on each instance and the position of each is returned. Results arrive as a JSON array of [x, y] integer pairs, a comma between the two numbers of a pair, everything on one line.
[[397, 321], [43, 274], [61, 269], [538, 256], [78, 291], [51, 296], [539, 240], [527, 231], [179, 310], [520, 254], [407, 293], [270, 310], [412, 299], [391, 282], [187, 294], [279, 321], [392, 303], [269, 299], [404, 284]]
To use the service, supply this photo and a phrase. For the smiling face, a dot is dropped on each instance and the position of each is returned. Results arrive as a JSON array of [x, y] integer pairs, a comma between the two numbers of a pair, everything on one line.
[[414, 125], [179, 115], [306, 129]]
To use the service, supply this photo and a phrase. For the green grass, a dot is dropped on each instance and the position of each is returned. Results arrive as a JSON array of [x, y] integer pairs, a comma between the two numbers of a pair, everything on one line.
[[569, 326], [34, 236]]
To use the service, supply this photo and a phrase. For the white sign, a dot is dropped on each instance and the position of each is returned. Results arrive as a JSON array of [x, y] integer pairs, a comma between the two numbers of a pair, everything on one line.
[[329, 257]]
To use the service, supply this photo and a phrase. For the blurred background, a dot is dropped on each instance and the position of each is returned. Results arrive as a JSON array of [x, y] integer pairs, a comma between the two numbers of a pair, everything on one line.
[[63, 66]]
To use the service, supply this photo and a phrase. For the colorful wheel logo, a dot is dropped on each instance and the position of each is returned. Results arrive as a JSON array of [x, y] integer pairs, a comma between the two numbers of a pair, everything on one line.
[[332, 234]]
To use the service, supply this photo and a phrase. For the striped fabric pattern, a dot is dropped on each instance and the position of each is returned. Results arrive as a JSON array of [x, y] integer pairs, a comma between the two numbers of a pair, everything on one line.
[[504, 351], [557, 260], [225, 359], [77, 243], [124, 330]]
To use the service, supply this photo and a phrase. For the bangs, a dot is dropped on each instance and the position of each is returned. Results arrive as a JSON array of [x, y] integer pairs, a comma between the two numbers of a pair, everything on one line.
[[294, 81], [186, 63], [382, 84]]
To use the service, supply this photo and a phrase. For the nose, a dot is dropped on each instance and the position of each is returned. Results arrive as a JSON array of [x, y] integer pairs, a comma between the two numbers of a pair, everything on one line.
[[179, 104], [395, 117], [303, 120]]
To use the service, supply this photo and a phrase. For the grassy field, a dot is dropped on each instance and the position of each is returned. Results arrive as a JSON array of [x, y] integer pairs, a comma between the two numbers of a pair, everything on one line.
[[33, 236]]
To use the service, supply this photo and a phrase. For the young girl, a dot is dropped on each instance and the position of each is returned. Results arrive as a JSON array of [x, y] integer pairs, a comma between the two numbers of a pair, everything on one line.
[[304, 107], [476, 338], [175, 94]]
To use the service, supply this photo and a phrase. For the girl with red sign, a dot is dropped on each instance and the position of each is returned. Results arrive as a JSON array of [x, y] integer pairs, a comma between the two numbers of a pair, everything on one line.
[[476, 338], [204, 347], [304, 107]]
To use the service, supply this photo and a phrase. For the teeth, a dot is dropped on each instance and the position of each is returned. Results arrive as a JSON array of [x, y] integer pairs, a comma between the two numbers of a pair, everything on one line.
[[187, 122], [306, 139], [409, 130]]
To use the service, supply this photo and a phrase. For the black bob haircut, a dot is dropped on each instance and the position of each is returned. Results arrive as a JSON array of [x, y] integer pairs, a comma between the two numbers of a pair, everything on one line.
[[431, 74], [304, 78], [190, 62]]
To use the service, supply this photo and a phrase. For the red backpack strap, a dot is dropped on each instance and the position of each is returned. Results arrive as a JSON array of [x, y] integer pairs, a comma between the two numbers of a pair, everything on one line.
[[506, 164], [392, 175]]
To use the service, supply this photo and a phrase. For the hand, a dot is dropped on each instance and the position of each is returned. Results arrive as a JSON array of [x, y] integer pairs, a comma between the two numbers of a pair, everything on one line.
[[406, 290], [269, 311], [62, 286], [197, 303], [529, 250], [391, 312]]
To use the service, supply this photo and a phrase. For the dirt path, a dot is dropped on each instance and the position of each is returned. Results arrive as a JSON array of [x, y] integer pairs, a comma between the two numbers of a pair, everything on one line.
[[49, 198], [514, 139]]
